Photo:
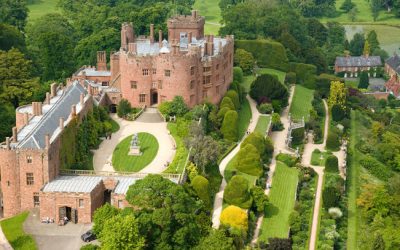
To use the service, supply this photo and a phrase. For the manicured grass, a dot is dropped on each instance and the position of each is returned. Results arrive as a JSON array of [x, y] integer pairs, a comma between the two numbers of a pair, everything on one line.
[[41, 8], [301, 103], [262, 124], [124, 162], [247, 81], [244, 118], [282, 200], [210, 9], [230, 169], [178, 163], [280, 74], [115, 126], [15, 234], [353, 84], [316, 158]]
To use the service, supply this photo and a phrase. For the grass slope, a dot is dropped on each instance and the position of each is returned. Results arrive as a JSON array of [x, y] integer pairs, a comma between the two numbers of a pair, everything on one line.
[[301, 103], [262, 124], [210, 9], [15, 234], [41, 8], [178, 163], [230, 169], [282, 200], [124, 162], [244, 118], [280, 74]]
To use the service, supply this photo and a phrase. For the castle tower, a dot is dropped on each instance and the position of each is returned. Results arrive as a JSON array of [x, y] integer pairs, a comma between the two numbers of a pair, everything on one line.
[[101, 61], [180, 26], [127, 35]]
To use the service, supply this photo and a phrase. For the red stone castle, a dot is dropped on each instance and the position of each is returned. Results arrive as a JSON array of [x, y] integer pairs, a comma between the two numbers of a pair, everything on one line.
[[145, 72]]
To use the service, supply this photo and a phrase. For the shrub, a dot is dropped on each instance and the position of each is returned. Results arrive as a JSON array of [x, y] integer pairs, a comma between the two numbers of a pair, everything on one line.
[[268, 86], [331, 164], [297, 136], [277, 106], [202, 188], [364, 80], [221, 113], [164, 108], [323, 84], [192, 171], [269, 147], [257, 140], [305, 74], [276, 122], [335, 212], [178, 106], [376, 168], [332, 142], [236, 192], [290, 78], [229, 128], [101, 215], [233, 95], [265, 108], [269, 54], [330, 197], [235, 217], [338, 113], [89, 247], [124, 108], [289, 160], [227, 103], [244, 60], [260, 199], [248, 160], [237, 74]]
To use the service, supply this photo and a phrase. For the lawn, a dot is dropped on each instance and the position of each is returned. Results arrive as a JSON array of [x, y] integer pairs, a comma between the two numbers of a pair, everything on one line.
[[15, 234], [244, 118], [316, 157], [262, 124], [178, 163], [41, 8], [301, 103], [280, 74], [210, 9], [282, 200], [115, 126], [247, 81], [230, 169], [124, 162]]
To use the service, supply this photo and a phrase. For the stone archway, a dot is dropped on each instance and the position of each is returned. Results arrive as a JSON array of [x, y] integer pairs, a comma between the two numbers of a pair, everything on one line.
[[154, 97]]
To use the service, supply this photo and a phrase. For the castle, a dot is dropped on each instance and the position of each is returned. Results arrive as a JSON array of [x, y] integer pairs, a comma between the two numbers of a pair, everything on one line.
[[144, 72]]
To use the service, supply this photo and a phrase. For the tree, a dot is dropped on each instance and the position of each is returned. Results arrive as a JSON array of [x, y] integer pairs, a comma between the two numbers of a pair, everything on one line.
[[279, 244], [347, 5], [332, 142], [229, 128], [330, 197], [244, 60], [14, 12], [236, 192], [353, 14], [216, 240], [101, 215], [260, 199], [357, 44], [338, 113], [268, 86], [375, 8], [235, 217], [237, 74], [16, 82], [227, 103], [124, 108], [7, 118], [11, 37], [233, 95], [121, 232], [257, 140], [178, 106], [331, 164], [367, 49], [337, 94], [372, 39], [364, 80], [248, 160]]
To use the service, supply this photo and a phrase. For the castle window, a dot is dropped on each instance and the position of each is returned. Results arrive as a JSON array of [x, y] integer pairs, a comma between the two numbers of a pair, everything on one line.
[[167, 72], [154, 85], [133, 84], [29, 159], [142, 98], [154, 71], [29, 179], [205, 94], [191, 84], [159, 84], [206, 69], [36, 201], [145, 72], [192, 70], [81, 203], [207, 80]]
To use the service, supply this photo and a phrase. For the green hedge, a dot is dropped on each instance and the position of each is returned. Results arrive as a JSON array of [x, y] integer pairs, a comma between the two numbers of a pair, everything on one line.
[[227, 103], [332, 164], [236, 192], [202, 187], [305, 74], [289, 160], [376, 168], [332, 142], [229, 128], [248, 161], [269, 54], [234, 96]]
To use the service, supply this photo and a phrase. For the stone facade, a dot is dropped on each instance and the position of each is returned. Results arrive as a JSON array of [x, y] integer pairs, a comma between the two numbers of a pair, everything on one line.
[[351, 66]]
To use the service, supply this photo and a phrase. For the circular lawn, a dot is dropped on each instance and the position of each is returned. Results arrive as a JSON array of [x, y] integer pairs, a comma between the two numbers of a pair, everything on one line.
[[121, 161]]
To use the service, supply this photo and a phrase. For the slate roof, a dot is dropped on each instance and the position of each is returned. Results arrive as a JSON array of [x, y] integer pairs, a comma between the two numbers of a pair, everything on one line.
[[358, 61], [73, 184], [394, 63], [34, 133], [93, 72]]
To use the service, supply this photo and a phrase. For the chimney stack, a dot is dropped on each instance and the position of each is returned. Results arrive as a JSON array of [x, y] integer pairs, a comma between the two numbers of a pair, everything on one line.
[[151, 33], [39, 107], [160, 38], [82, 99], [132, 48], [14, 134], [53, 89], [26, 119], [8, 142], [189, 37], [47, 140], [48, 98], [73, 110], [194, 14], [61, 123]]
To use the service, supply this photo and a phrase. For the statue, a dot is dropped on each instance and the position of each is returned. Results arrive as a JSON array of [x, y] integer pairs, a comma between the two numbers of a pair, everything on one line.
[[135, 147]]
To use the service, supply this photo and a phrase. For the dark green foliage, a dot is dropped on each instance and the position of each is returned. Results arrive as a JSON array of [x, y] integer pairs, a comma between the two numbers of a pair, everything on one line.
[[364, 80], [270, 88], [332, 142], [376, 168], [269, 54], [103, 213], [124, 108], [229, 128], [257, 140], [248, 160], [227, 103], [237, 74], [298, 136], [244, 60], [176, 107], [357, 44], [276, 122], [323, 84], [347, 5], [260, 199], [89, 247], [279, 244], [289, 160], [290, 78], [11, 37], [236, 192], [305, 74], [265, 108], [331, 164], [221, 113], [233, 95], [202, 188], [7, 118], [14, 13], [330, 197], [338, 113], [216, 240]]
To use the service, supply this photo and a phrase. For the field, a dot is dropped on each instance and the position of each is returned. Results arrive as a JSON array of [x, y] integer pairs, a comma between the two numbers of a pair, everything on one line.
[[14, 233], [262, 124], [282, 200], [280, 74], [316, 158], [301, 103], [123, 162], [244, 118], [41, 8], [210, 9]]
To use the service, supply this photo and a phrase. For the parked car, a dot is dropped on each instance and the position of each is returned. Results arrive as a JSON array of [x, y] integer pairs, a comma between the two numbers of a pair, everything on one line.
[[88, 236]]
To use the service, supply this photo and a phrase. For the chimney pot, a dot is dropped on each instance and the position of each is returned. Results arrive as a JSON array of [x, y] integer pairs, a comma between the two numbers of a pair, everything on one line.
[[26, 118], [132, 47], [48, 98], [14, 134], [151, 33], [39, 106], [160, 38], [53, 89], [8, 142], [190, 38], [61, 123]]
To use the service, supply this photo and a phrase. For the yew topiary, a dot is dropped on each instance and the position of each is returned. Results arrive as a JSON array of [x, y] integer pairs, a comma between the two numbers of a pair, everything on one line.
[[249, 160], [202, 187], [229, 128], [227, 103], [234, 97], [235, 217], [236, 192]]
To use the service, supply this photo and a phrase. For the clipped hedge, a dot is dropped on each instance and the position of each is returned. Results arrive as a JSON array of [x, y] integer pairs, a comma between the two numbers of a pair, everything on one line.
[[376, 168], [323, 84], [248, 161], [202, 187], [229, 128], [298, 136], [237, 74], [222, 112], [305, 74], [332, 142], [234, 96], [236, 192], [332, 164], [269, 54], [289, 160], [227, 103], [257, 140]]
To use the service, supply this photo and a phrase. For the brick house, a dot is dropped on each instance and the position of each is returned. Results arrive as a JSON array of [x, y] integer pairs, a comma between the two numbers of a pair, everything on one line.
[[392, 69], [351, 66]]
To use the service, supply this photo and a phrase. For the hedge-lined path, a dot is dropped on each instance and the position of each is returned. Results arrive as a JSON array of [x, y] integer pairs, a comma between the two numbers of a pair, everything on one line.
[[219, 197], [279, 138], [166, 151]]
